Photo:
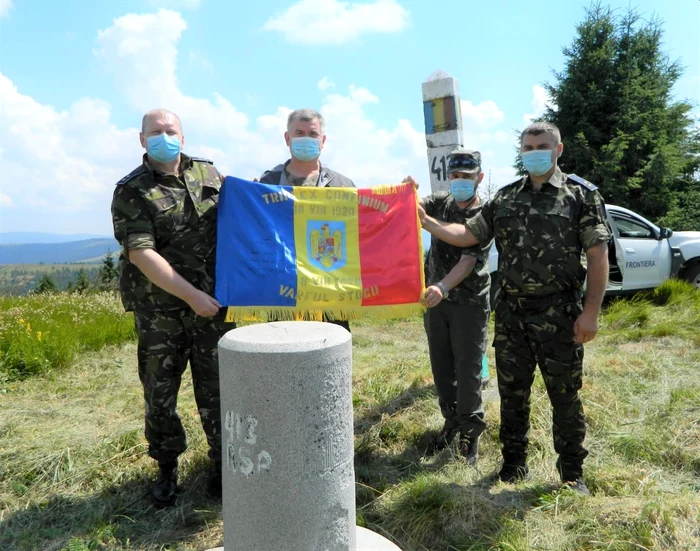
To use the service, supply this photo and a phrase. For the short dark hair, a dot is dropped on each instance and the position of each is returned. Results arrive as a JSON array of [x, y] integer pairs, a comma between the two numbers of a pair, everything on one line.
[[537, 128]]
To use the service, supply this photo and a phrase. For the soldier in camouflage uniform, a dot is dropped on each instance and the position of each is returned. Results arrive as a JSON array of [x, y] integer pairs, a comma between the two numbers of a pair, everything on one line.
[[541, 224], [164, 216], [305, 137], [458, 309]]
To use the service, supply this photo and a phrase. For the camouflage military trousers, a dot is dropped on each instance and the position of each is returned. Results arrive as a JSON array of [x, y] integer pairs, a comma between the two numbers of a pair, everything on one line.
[[544, 337], [167, 341], [457, 338]]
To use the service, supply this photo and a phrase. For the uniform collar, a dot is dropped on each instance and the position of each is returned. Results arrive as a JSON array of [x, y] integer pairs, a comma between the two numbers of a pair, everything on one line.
[[324, 177], [452, 203], [185, 163], [557, 179]]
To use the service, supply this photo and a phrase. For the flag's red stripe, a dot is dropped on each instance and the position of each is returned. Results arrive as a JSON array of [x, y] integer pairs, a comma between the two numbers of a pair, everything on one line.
[[389, 252]]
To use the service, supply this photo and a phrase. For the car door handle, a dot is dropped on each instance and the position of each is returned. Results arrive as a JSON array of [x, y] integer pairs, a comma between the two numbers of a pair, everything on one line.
[[629, 250]]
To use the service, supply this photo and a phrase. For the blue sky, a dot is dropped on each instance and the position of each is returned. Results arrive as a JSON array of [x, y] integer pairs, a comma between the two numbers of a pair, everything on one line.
[[76, 77]]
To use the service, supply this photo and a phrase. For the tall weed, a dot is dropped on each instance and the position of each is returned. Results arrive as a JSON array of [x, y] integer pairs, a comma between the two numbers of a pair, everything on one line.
[[43, 332]]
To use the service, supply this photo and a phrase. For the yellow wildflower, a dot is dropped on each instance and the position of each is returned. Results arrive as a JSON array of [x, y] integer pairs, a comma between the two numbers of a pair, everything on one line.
[[38, 336]]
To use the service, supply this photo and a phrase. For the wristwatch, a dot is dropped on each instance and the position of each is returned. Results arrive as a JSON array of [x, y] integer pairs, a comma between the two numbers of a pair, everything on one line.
[[443, 289]]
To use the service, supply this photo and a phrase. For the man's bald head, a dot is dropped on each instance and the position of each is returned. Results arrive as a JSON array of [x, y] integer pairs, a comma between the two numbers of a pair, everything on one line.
[[160, 121], [155, 115]]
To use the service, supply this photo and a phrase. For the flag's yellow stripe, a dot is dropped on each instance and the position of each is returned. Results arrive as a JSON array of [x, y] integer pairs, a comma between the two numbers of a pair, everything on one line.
[[321, 284]]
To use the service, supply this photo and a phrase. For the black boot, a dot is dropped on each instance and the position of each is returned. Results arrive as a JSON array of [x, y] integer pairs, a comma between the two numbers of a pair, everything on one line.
[[469, 448], [577, 485], [571, 474], [163, 493], [513, 470], [446, 436]]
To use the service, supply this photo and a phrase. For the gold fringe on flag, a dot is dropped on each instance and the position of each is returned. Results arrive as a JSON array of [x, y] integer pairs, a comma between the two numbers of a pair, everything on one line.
[[421, 250], [261, 313]]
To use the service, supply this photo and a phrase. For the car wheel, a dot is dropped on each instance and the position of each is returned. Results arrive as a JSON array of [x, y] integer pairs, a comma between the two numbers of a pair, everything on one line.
[[692, 274]]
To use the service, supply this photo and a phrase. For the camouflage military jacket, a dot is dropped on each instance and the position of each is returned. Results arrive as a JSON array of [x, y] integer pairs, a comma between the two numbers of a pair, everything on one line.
[[540, 233], [442, 257], [174, 215]]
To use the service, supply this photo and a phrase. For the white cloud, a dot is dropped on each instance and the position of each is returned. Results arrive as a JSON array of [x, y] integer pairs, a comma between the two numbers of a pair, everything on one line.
[[540, 101], [324, 84], [5, 6], [362, 95], [68, 161], [175, 4], [480, 117], [335, 22], [5, 200]]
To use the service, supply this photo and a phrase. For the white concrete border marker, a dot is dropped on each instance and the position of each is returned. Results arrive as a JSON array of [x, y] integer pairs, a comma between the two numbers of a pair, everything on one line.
[[287, 435]]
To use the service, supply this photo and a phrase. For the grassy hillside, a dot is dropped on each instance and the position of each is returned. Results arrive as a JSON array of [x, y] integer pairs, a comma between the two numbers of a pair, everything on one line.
[[74, 473]]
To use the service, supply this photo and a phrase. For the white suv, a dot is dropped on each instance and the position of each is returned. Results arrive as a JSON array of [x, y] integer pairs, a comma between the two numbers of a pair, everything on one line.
[[643, 255]]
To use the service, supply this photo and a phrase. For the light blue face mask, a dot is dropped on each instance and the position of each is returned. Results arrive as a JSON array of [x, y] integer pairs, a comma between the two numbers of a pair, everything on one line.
[[163, 148], [462, 189], [538, 162], [305, 148]]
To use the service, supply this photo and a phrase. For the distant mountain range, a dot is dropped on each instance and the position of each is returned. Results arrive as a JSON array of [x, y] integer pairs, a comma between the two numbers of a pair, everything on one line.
[[21, 237], [53, 252]]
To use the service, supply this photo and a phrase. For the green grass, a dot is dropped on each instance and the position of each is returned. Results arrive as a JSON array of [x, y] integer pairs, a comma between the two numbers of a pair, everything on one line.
[[43, 332], [74, 473]]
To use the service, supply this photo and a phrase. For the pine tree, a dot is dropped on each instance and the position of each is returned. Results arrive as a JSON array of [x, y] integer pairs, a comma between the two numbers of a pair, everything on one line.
[[620, 125], [46, 285], [109, 273], [82, 283]]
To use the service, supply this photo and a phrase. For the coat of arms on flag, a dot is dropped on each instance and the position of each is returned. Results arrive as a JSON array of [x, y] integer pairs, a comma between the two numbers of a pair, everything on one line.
[[326, 244]]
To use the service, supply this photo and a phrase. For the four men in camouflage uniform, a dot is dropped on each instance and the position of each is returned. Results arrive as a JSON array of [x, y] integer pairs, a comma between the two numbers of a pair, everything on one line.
[[458, 309], [541, 223], [164, 216], [305, 137]]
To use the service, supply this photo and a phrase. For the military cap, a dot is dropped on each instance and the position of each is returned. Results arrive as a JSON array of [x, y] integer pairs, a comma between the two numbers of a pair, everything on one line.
[[464, 160]]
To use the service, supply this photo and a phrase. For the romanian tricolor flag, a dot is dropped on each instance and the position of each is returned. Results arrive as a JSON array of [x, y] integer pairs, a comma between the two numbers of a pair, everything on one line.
[[288, 252]]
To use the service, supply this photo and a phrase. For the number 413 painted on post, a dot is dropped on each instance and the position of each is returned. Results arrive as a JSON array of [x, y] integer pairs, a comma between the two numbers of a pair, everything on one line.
[[439, 168]]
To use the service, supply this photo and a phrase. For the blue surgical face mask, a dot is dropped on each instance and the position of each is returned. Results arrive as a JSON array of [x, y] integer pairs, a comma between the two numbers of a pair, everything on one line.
[[163, 148], [538, 162], [305, 148], [462, 189]]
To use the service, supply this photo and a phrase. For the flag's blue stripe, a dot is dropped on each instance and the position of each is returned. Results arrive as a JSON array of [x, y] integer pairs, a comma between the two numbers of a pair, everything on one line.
[[255, 252]]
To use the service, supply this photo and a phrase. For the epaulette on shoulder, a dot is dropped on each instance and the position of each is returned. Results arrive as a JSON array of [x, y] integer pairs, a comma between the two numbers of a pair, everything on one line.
[[133, 174], [582, 182], [202, 160]]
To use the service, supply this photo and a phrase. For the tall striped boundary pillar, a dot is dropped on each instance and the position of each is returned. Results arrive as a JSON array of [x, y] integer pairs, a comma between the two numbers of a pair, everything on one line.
[[443, 125]]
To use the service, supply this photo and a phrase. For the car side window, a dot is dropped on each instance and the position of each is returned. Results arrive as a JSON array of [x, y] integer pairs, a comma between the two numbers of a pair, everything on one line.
[[627, 227]]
